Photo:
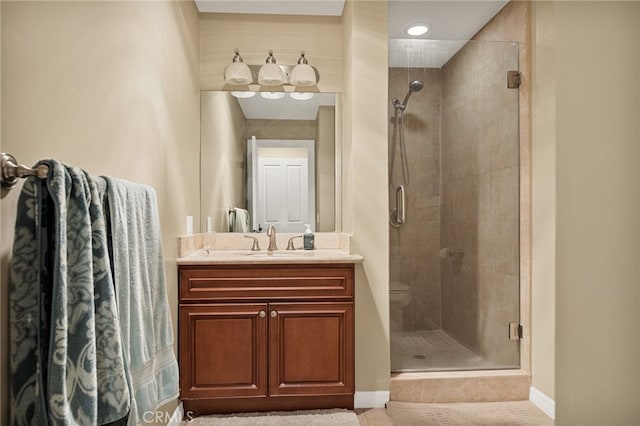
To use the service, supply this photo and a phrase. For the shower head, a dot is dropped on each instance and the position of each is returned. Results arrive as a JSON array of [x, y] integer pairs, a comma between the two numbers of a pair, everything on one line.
[[414, 86]]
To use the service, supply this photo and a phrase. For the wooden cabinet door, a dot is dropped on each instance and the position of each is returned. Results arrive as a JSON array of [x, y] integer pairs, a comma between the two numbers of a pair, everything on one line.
[[223, 350], [311, 348]]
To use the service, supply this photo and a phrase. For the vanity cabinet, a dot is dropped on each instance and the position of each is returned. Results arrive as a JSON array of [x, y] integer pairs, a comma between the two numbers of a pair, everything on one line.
[[266, 337]]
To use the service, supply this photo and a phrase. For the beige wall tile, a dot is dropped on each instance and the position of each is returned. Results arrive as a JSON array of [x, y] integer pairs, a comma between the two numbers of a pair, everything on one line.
[[461, 387]]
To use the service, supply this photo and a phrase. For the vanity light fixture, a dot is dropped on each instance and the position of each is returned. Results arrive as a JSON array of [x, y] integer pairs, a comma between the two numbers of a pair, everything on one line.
[[303, 74], [301, 96], [237, 72], [270, 73], [416, 30]]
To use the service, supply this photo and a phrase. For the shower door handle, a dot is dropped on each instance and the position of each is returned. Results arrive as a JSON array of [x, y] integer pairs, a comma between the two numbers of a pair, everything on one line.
[[400, 204]]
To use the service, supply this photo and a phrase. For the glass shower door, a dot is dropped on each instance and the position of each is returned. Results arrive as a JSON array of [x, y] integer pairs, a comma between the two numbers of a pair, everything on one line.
[[454, 263]]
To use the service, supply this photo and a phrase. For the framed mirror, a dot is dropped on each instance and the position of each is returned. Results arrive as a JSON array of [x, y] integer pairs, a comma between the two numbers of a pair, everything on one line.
[[269, 158]]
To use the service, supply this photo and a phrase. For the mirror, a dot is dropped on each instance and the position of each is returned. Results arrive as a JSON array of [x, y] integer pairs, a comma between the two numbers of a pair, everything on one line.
[[269, 158]]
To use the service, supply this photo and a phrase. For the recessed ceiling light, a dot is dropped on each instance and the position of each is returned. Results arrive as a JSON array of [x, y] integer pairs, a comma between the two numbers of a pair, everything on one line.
[[417, 29]]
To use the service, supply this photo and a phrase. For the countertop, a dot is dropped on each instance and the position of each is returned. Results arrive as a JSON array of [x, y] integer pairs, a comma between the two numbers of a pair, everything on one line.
[[221, 257]]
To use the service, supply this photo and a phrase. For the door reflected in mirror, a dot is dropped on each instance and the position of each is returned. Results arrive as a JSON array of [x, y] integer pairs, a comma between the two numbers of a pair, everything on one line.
[[269, 160]]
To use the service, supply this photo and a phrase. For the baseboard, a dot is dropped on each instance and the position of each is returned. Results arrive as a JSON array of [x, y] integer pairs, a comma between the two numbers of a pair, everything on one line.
[[375, 399], [178, 415], [543, 402]]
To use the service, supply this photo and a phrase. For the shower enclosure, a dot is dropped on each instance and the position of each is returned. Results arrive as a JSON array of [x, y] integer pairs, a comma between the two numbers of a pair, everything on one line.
[[454, 224]]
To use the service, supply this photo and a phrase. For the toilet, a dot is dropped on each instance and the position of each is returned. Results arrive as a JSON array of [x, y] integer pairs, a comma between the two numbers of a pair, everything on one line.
[[399, 298]]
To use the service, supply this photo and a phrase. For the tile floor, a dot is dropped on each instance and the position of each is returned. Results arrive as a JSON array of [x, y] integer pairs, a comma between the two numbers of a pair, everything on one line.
[[513, 413], [434, 350]]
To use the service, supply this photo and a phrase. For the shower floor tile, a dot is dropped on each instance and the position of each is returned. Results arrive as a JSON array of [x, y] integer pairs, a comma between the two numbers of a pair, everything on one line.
[[432, 350]]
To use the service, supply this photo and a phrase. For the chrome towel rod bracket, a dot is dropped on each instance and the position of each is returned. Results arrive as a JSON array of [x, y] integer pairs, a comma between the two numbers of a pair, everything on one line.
[[12, 171]]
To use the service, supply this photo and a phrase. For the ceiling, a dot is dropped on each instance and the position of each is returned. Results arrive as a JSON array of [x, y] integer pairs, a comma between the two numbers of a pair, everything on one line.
[[273, 7], [447, 19], [455, 21], [452, 23]]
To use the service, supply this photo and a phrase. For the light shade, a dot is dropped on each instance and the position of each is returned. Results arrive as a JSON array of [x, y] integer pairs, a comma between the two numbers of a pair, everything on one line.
[[237, 72], [303, 74], [270, 73], [272, 95], [301, 96], [243, 94]]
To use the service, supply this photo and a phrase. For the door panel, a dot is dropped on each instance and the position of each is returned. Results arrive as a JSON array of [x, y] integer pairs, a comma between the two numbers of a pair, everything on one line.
[[281, 184], [226, 346], [309, 349], [297, 200], [283, 196], [270, 197]]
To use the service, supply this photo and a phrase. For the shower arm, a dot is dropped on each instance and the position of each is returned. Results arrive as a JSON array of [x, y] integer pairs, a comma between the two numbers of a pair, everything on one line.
[[406, 99]]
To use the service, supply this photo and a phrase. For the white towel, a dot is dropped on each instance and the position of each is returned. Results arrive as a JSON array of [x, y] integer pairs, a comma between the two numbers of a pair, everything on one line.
[[240, 222], [141, 295]]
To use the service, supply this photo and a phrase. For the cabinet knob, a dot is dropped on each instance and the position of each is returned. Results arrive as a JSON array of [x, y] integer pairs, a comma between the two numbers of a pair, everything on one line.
[[274, 314], [262, 314]]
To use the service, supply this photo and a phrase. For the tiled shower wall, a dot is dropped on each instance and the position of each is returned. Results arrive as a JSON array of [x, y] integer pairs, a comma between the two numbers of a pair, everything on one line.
[[461, 137], [480, 199], [414, 246]]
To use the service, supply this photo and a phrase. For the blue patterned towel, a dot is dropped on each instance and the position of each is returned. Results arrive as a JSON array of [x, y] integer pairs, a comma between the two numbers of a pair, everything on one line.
[[141, 295], [67, 362]]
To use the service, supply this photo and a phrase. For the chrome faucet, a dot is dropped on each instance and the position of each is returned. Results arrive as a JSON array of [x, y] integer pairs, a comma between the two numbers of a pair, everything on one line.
[[271, 233]]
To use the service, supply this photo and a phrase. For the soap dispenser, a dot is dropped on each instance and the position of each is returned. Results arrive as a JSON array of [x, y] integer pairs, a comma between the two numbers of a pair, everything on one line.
[[308, 238]]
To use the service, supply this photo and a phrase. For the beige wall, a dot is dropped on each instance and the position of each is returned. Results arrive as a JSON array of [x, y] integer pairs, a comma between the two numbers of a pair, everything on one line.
[[223, 160], [281, 129], [364, 174], [543, 200], [254, 35], [112, 87], [326, 169], [590, 125]]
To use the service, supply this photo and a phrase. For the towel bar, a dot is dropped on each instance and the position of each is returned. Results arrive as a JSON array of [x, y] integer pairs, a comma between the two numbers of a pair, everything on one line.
[[12, 171]]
